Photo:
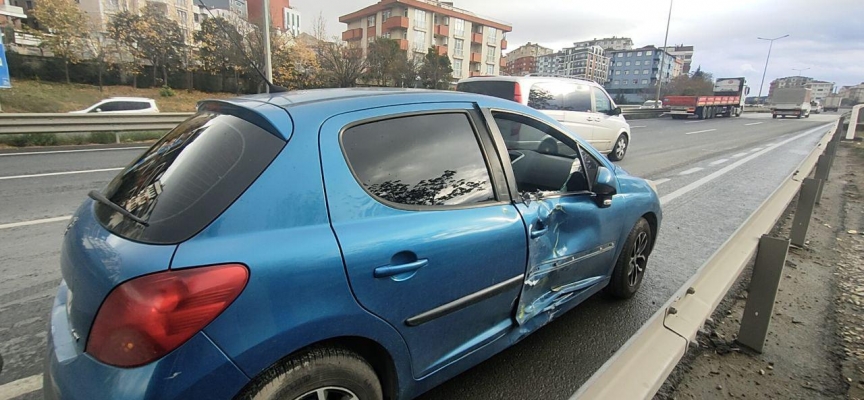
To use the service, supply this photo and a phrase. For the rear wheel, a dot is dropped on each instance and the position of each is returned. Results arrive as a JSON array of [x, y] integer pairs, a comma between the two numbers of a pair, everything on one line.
[[619, 149], [774, 116], [318, 374], [632, 262]]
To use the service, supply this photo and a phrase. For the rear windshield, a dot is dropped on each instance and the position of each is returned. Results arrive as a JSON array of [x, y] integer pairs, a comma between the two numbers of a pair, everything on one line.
[[500, 89], [188, 178]]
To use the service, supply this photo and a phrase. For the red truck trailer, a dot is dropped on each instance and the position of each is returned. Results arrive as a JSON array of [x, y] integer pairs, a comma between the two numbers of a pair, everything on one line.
[[727, 101]]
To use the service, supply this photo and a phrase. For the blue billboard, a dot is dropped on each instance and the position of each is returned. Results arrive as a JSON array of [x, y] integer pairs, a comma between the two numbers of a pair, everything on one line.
[[4, 69]]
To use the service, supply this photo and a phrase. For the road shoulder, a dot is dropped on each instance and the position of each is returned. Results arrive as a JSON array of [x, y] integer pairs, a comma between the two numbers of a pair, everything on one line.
[[814, 347]]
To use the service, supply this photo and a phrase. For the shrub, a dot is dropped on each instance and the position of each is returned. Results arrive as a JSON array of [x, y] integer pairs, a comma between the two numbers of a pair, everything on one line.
[[141, 136], [166, 91], [101, 137]]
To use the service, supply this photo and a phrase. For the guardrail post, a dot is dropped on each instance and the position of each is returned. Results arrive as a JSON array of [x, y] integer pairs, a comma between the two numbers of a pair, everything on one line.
[[806, 202], [853, 122], [823, 166], [767, 271]]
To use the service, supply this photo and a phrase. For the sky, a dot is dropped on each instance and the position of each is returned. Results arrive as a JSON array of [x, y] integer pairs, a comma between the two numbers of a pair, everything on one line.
[[826, 38]]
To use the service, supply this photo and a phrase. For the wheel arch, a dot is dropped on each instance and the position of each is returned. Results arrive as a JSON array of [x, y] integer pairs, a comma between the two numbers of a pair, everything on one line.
[[653, 224]]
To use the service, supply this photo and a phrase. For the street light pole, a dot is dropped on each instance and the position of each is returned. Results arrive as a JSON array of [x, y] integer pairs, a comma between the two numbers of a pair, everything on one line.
[[771, 44], [800, 70], [268, 63], [660, 53]]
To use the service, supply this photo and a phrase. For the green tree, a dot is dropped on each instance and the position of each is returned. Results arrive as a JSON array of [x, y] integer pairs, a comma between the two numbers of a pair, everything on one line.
[[383, 56], [62, 25], [127, 30], [699, 84], [295, 66], [163, 42], [436, 72], [217, 48], [407, 70]]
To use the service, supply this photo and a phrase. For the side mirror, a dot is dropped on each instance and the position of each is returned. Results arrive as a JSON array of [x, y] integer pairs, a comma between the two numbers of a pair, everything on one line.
[[615, 111], [746, 90], [604, 187]]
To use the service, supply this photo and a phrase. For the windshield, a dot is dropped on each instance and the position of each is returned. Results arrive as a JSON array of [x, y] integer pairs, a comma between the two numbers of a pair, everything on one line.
[[187, 178]]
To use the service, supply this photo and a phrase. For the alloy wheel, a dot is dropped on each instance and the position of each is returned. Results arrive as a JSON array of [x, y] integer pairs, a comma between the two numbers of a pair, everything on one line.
[[621, 147], [638, 259], [329, 393]]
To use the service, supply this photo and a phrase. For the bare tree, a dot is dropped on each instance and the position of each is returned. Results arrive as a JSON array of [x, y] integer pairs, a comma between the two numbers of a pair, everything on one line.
[[341, 63]]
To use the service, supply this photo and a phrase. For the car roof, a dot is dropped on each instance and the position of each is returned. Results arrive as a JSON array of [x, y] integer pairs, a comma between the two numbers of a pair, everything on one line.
[[349, 99], [129, 99], [528, 79]]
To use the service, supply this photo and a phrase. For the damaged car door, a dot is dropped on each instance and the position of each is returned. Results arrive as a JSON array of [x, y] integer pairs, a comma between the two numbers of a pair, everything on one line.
[[571, 237]]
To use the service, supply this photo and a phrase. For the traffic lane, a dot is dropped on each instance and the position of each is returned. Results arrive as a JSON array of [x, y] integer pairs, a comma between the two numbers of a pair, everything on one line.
[[28, 199], [48, 161], [555, 361], [652, 155]]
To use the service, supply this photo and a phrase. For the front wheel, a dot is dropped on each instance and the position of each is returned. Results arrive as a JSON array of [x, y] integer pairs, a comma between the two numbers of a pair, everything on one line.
[[619, 149], [322, 373], [632, 262]]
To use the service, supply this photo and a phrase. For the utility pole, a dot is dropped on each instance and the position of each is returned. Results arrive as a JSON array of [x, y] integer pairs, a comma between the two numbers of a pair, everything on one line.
[[771, 44], [268, 62], [660, 73]]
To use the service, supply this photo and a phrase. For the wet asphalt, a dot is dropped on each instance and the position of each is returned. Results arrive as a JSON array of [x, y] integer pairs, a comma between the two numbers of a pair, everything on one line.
[[551, 363]]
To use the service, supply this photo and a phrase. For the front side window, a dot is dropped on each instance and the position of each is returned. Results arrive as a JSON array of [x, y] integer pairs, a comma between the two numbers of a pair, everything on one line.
[[423, 160], [543, 159], [602, 104]]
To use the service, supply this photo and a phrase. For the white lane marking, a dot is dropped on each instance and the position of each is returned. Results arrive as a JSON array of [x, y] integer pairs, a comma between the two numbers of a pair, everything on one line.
[[695, 122], [756, 149], [658, 182], [754, 123], [3, 178], [739, 155], [639, 126], [34, 222], [30, 153], [21, 387], [690, 171], [721, 161], [686, 189], [707, 130]]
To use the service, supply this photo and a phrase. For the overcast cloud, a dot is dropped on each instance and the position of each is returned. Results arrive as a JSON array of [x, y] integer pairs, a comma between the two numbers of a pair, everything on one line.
[[825, 36]]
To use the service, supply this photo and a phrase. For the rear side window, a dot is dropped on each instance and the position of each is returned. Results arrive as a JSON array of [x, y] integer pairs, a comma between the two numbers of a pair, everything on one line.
[[500, 89], [559, 96], [188, 178], [422, 160], [135, 105]]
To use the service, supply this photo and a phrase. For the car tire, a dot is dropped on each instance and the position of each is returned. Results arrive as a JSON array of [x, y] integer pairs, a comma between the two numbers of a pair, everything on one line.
[[632, 262], [774, 116], [333, 370], [619, 150]]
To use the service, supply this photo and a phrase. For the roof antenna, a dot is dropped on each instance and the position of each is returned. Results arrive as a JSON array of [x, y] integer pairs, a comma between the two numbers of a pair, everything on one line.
[[271, 88]]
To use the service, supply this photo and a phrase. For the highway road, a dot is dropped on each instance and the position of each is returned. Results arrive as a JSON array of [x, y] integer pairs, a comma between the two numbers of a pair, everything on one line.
[[712, 175]]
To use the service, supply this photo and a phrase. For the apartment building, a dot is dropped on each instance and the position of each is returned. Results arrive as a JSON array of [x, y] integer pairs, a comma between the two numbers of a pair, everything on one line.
[[788, 82], [283, 17], [613, 43], [523, 59], [683, 53], [820, 89], [551, 64], [101, 11], [473, 43], [632, 73], [587, 63], [854, 93]]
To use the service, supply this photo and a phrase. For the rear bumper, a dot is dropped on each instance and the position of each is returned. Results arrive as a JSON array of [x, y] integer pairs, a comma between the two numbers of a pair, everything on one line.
[[195, 370], [788, 112]]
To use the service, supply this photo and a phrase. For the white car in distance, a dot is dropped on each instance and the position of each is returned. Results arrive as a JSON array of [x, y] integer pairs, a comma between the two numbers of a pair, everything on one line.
[[124, 105]]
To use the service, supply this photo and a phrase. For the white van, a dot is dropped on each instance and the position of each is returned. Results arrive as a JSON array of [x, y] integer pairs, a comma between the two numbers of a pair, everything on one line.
[[582, 106]]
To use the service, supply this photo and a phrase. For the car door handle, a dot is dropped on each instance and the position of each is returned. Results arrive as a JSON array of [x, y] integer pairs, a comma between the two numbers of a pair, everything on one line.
[[390, 270], [537, 230]]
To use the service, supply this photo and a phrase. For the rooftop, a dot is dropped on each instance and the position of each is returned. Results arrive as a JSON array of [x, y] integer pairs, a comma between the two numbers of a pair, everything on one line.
[[445, 8]]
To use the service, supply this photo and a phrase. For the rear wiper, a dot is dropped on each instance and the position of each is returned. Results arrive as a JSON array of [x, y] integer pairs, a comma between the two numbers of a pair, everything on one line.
[[95, 195]]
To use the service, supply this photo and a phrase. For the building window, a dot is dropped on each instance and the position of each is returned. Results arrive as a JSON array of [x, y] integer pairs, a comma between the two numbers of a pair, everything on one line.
[[629, 54], [636, 72], [644, 81], [638, 54], [419, 18], [490, 69], [638, 63], [458, 27], [645, 72], [490, 56], [457, 68], [492, 32], [460, 44], [615, 82], [370, 20], [386, 14], [649, 52], [619, 55], [182, 16], [627, 72], [627, 63], [420, 41], [618, 64], [635, 81]]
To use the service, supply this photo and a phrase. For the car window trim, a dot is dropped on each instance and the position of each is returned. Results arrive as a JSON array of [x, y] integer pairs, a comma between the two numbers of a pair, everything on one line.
[[506, 156], [410, 207]]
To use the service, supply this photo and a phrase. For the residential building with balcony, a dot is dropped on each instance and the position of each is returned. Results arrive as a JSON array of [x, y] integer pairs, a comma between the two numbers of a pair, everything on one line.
[[788, 82], [280, 13], [683, 53], [181, 11], [854, 93], [523, 59], [613, 43], [473, 43], [633, 73], [551, 64], [587, 63], [820, 89]]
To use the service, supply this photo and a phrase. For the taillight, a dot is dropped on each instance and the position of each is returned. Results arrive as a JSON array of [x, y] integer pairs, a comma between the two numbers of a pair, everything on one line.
[[517, 93], [147, 317]]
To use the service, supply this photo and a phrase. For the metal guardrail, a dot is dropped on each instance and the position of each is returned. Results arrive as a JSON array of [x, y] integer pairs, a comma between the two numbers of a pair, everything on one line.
[[639, 368], [13, 124], [643, 113]]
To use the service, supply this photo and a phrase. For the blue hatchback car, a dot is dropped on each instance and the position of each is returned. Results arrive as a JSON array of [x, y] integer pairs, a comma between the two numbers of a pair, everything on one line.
[[337, 244]]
